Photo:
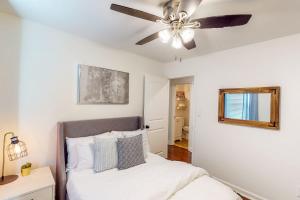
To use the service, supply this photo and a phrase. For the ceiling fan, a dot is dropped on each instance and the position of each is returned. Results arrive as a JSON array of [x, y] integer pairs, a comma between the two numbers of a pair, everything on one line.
[[180, 27]]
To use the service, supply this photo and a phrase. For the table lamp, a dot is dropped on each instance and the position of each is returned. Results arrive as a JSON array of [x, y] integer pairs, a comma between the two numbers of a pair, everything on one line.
[[15, 150]]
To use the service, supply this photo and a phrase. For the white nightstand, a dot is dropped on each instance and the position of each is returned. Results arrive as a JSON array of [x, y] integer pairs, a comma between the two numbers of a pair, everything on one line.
[[39, 185]]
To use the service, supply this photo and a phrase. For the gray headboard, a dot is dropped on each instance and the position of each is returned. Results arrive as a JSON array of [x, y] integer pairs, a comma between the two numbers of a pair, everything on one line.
[[84, 128]]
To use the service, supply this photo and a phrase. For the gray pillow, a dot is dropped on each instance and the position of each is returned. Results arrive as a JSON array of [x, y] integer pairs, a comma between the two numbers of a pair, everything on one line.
[[130, 152], [105, 154]]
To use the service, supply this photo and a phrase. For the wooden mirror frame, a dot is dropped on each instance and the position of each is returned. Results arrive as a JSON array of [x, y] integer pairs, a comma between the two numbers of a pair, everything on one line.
[[274, 115]]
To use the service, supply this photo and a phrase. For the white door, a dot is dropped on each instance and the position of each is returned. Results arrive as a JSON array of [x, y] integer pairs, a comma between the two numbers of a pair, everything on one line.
[[156, 112]]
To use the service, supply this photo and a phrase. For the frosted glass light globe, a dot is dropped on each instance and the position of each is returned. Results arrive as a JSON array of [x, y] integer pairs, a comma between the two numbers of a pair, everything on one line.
[[164, 36], [176, 43], [187, 34]]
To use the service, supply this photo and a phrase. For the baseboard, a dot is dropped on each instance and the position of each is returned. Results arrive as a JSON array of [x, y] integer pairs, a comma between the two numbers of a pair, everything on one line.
[[241, 191]]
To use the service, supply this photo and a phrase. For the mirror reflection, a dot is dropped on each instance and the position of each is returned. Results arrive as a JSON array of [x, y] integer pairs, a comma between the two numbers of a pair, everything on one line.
[[248, 106]]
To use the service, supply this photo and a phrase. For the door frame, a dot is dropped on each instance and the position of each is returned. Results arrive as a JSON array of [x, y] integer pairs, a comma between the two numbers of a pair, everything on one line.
[[173, 83]]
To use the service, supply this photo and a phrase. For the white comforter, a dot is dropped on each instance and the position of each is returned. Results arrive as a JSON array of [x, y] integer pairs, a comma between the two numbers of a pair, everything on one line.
[[157, 179], [205, 188]]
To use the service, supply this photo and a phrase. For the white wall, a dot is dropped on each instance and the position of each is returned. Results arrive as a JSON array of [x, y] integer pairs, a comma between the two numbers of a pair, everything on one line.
[[9, 78], [264, 162], [48, 84]]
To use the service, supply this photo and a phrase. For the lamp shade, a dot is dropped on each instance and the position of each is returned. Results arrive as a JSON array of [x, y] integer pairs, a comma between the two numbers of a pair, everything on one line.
[[16, 149]]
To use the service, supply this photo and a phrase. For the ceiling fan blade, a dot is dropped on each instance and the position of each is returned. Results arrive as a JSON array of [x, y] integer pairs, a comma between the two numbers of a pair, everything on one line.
[[223, 21], [148, 39], [189, 45], [188, 6], [134, 12]]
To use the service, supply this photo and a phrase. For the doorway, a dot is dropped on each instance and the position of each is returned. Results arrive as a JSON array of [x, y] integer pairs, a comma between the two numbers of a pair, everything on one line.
[[180, 116]]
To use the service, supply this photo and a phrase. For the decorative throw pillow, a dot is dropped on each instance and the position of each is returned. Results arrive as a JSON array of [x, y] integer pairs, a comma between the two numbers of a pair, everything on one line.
[[72, 149], [105, 154], [144, 133], [130, 152]]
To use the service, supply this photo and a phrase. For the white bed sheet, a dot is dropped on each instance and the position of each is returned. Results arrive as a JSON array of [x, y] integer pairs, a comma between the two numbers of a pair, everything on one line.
[[157, 179]]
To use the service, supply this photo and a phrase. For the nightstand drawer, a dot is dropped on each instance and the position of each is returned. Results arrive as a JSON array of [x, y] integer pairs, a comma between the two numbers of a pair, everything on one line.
[[43, 194]]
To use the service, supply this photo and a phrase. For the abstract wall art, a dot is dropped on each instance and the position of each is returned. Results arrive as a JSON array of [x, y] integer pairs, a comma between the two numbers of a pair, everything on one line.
[[98, 85]]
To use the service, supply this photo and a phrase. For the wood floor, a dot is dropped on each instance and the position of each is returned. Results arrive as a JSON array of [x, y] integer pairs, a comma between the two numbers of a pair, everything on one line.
[[183, 143], [181, 154]]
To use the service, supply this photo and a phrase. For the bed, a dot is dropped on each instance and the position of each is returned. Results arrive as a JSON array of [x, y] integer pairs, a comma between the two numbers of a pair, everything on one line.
[[157, 179]]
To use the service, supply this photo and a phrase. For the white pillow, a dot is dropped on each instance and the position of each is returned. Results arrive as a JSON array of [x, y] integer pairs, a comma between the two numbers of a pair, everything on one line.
[[71, 148], [85, 156], [144, 133], [117, 134]]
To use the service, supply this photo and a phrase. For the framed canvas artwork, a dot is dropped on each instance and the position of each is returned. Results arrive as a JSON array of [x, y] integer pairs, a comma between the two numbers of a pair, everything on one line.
[[98, 85]]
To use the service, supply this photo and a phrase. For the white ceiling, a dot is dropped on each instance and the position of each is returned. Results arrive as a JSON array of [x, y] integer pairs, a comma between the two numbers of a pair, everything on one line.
[[94, 20]]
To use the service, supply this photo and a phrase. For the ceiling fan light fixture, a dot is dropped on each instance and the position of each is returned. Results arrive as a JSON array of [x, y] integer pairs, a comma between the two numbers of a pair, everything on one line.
[[176, 42], [164, 36], [187, 35], [182, 15], [177, 19]]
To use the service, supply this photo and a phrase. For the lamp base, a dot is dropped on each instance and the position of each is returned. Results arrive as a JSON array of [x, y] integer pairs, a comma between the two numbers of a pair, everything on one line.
[[8, 179]]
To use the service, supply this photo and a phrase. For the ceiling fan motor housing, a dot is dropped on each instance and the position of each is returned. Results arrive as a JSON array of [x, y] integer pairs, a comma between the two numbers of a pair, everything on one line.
[[170, 10]]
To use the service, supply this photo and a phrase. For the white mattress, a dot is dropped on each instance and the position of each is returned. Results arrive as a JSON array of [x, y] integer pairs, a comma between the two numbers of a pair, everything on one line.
[[157, 179]]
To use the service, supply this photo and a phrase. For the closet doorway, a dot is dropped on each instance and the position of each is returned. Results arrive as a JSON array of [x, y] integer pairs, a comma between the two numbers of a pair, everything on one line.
[[181, 118]]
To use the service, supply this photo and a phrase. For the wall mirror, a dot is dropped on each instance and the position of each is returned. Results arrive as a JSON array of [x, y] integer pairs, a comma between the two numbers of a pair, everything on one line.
[[258, 107]]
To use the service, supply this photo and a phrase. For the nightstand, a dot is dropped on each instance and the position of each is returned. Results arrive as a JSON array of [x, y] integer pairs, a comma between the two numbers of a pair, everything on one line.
[[39, 185]]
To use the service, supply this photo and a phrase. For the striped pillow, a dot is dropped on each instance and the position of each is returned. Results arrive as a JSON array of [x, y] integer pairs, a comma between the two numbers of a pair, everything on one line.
[[105, 154]]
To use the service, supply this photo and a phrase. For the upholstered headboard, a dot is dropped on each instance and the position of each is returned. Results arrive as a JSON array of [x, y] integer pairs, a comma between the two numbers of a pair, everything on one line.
[[73, 129]]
